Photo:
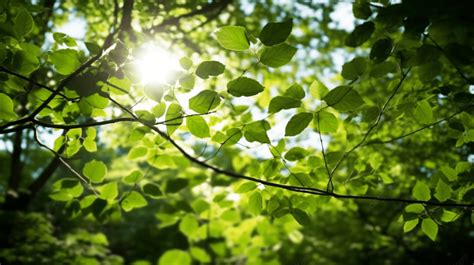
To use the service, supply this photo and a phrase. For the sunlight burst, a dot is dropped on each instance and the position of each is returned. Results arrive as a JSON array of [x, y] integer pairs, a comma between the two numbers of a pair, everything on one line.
[[156, 65]]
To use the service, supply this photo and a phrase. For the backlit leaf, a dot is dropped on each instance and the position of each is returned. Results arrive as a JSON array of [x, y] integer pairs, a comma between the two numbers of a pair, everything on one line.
[[233, 38]]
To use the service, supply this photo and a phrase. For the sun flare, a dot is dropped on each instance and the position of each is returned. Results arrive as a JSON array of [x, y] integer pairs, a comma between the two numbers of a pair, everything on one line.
[[156, 65]]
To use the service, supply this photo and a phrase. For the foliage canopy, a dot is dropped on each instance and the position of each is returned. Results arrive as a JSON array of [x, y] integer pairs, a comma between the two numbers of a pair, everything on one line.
[[274, 136]]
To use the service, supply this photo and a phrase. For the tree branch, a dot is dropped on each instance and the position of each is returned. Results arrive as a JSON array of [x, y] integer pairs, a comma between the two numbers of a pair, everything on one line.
[[379, 117], [307, 190], [378, 141], [206, 9]]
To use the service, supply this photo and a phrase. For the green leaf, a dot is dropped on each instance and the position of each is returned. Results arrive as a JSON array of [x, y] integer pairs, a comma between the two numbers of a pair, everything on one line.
[[298, 123], [257, 131], [353, 69], [159, 109], [430, 228], [65, 61], [449, 216], [295, 91], [343, 98], [233, 38], [280, 102], [273, 204], [109, 191], [276, 32], [62, 38], [301, 217], [152, 190], [443, 191], [255, 203], [246, 187], [421, 191], [360, 34], [23, 23], [95, 171], [198, 126], [186, 63], [187, 81], [278, 55], [137, 151], [200, 254], [381, 50], [244, 86], [423, 112], [449, 172], [328, 123], [209, 68], [176, 184], [361, 10], [295, 153], [414, 208], [204, 101], [318, 90], [133, 177], [175, 257], [155, 91], [409, 225], [6, 108], [133, 200], [173, 116], [188, 225]]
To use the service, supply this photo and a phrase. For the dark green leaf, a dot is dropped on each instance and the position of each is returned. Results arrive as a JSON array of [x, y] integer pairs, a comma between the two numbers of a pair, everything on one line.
[[276, 32], [343, 98], [301, 217], [257, 131], [360, 34], [361, 10], [278, 55], [353, 69], [204, 101], [423, 112], [381, 50], [295, 153], [176, 184], [209, 68], [24, 23], [244, 86], [152, 190], [298, 123], [295, 91], [278, 103]]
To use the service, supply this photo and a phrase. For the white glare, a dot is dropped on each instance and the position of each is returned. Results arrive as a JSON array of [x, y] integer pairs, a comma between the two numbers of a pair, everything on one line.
[[156, 65]]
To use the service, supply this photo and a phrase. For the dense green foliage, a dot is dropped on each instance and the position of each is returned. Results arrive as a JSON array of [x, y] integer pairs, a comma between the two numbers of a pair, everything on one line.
[[276, 136]]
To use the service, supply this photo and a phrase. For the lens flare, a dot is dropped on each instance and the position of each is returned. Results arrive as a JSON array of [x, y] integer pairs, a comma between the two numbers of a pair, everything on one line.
[[156, 65]]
